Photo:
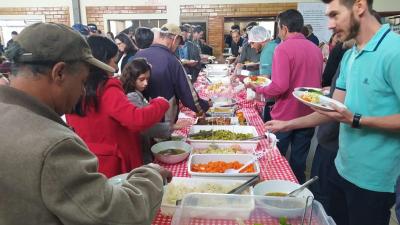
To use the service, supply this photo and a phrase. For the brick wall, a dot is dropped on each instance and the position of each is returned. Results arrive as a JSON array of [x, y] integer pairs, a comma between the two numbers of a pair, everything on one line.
[[216, 13], [95, 14], [52, 14]]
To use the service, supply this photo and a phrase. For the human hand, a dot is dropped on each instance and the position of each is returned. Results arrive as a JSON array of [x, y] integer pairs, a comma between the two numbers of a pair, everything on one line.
[[251, 86], [340, 114], [277, 126], [165, 174], [4, 81], [191, 63]]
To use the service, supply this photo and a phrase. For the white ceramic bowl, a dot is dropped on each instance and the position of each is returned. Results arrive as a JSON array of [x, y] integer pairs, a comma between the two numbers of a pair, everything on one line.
[[290, 207], [171, 159]]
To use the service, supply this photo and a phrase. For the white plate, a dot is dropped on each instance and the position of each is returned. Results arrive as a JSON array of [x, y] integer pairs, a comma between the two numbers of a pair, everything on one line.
[[324, 103], [308, 88], [252, 64], [266, 82]]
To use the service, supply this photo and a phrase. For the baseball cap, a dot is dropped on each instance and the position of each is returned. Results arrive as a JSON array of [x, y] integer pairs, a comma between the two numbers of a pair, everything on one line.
[[171, 28], [259, 34], [51, 42], [82, 29], [92, 27]]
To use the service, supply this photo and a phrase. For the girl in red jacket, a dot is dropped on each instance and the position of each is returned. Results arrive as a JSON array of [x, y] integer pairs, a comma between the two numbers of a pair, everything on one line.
[[135, 78], [106, 120]]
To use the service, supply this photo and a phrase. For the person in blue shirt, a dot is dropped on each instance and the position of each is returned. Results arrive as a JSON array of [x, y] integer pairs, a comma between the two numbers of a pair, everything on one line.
[[189, 53], [168, 77], [362, 184]]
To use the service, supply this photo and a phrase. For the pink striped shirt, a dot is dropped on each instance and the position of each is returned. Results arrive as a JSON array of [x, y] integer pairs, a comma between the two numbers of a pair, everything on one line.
[[297, 62]]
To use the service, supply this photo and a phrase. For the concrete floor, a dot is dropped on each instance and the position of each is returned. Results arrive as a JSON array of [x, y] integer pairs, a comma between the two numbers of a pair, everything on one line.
[[393, 219]]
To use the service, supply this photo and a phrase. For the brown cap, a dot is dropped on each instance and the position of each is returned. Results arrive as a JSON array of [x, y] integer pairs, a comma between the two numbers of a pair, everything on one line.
[[51, 42]]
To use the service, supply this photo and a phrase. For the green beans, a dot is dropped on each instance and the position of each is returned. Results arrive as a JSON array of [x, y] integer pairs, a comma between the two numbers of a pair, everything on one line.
[[220, 135]]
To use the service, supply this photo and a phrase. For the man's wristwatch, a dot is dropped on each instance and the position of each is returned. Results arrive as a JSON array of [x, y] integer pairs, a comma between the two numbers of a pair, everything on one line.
[[356, 121]]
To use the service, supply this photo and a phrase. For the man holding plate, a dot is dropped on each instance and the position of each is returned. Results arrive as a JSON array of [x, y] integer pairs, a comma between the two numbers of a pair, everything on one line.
[[362, 189], [296, 62]]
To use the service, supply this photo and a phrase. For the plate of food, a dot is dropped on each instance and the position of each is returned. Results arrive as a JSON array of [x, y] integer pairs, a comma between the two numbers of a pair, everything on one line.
[[187, 61], [316, 99], [249, 63], [257, 80]]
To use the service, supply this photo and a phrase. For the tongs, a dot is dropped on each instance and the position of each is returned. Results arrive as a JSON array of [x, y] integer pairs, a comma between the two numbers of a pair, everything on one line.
[[243, 186]]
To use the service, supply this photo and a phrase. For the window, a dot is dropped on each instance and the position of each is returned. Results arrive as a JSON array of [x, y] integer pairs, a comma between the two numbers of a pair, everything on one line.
[[9, 24], [117, 26]]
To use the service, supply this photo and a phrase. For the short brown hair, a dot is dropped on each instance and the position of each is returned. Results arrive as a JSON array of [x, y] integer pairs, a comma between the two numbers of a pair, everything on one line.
[[350, 3]]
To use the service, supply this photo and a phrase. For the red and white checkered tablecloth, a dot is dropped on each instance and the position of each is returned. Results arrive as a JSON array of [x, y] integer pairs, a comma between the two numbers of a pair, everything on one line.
[[273, 165]]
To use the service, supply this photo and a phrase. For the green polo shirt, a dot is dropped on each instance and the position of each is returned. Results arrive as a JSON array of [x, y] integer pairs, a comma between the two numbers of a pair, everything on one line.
[[266, 56], [370, 158]]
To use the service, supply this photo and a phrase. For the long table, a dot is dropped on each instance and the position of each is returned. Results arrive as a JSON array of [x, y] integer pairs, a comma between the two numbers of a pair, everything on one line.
[[273, 166]]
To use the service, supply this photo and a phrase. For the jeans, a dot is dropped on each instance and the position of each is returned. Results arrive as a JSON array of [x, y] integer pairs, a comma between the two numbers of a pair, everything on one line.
[[398, 199], [323, 163], [300, 141], [352, 205]]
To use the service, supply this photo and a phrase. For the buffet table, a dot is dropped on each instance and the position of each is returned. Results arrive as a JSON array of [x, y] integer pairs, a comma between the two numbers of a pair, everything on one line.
[[273, 165]]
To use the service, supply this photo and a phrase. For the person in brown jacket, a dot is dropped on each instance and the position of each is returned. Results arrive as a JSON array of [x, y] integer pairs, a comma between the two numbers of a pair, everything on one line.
[[47, 173]]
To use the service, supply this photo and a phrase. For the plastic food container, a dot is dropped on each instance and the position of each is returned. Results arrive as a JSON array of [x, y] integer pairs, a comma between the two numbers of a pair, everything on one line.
[[201, 148], [218, 209], [210, 208], [205, 158], [181, 186], [221, 111], [217, 70], [247, 144]]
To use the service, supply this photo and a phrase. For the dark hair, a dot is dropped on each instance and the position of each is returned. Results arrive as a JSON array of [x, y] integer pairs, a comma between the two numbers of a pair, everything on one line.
[[251, 25], [292, 19], [104, 50], [127, 41], [111, 34], [14, 32], [235, 27], [185, 27], [197, 29], [305, 31], [144, 37], [131, 73], [350, 3]]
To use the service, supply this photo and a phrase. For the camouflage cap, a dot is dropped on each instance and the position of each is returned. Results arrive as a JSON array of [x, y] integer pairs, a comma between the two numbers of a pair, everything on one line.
[[51, 42]]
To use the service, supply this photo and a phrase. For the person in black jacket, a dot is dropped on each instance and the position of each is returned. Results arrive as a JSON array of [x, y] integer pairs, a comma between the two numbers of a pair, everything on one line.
[[126, 48]]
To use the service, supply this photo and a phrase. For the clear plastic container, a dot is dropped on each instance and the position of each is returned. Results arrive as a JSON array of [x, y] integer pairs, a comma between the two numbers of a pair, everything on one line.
[[222, 209]]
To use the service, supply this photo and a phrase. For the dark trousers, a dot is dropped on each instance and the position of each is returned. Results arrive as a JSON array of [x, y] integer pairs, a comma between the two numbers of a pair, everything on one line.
[[300, 141], [352, 205], [267, 111], [323, 163]]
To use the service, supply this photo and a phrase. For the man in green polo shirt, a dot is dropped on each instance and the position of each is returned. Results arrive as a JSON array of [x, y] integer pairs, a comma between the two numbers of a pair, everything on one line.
[[368, 162]]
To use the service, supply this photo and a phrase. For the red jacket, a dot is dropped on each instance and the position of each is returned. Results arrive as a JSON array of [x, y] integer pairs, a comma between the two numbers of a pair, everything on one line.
[[112, 133]]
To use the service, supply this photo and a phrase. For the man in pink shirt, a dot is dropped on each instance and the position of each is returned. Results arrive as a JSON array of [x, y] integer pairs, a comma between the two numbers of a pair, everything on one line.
[[297, 62]]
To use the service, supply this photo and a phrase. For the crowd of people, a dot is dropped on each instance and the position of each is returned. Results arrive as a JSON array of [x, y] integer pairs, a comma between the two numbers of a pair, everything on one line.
[[119, 93]]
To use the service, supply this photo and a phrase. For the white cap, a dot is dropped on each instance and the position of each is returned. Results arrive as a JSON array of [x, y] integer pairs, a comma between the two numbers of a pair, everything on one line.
[[259, 34]]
